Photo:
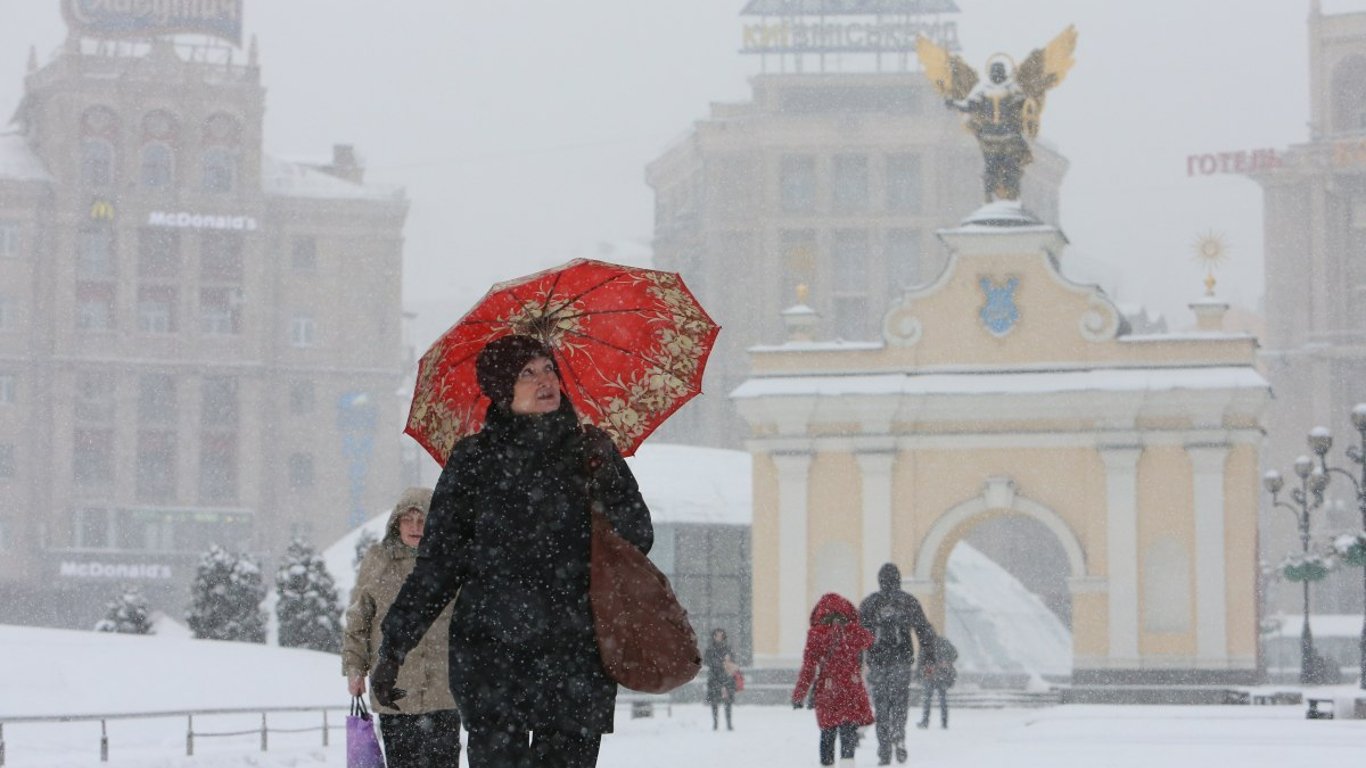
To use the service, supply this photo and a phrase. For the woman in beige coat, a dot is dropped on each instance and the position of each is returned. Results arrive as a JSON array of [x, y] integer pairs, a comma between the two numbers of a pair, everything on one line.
[[427, 731]]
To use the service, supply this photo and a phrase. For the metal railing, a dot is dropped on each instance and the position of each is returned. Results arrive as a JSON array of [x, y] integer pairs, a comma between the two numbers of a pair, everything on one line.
[[190, 733]]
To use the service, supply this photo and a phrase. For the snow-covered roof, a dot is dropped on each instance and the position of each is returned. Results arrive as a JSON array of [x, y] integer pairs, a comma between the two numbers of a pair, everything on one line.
[[18, 161], [1007, 382], [688, 484], [286, 179]]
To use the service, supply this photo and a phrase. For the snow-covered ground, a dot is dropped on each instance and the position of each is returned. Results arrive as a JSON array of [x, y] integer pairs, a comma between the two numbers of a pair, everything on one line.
[[62, 672]]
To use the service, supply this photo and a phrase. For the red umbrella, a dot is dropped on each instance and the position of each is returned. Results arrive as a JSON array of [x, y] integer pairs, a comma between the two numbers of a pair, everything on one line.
[[631, 344]]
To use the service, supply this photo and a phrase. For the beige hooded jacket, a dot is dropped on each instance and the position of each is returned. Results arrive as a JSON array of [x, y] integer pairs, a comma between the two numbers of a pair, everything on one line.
[[382, 572]]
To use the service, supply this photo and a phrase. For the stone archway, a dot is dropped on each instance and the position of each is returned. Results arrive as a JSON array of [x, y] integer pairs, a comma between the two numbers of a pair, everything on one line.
[[998, 495]]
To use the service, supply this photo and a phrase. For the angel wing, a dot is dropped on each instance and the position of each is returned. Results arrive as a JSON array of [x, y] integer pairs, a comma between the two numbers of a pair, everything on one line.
[[1044, 69], [952, 76]]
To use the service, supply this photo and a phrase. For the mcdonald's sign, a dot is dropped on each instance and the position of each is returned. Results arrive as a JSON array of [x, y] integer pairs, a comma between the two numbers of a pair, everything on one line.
[[102, 210]]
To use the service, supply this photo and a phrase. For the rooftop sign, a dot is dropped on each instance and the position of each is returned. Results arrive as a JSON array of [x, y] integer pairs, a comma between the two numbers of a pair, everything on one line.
[[155, 18], [846, 26]]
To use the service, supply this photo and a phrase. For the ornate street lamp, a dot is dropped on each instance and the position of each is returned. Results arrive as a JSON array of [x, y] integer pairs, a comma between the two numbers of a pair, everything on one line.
[[1351, 548], [1307, 498]]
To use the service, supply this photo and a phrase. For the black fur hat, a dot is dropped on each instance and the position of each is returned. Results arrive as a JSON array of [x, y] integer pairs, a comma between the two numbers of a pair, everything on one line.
[[502, 359]]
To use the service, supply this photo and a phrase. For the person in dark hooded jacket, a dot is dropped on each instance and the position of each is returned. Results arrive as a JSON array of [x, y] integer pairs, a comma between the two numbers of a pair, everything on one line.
[[508, 539], [892, 615]]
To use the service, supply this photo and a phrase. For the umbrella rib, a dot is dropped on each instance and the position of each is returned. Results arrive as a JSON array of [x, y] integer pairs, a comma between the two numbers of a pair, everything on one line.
[[604, 342], [594, 287], [594, 312]]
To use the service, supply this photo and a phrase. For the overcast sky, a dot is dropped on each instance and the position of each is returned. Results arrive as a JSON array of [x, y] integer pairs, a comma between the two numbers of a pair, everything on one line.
[[521, 129]]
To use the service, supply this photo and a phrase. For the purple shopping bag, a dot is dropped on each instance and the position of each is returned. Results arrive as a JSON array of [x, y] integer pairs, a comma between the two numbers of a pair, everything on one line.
[[362, 746]]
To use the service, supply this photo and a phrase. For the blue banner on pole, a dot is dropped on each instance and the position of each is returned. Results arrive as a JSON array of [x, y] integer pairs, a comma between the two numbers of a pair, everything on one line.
[[356, 419]]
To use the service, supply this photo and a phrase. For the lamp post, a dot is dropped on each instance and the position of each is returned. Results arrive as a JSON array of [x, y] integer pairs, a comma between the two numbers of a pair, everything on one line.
[[1320, 442], [1306, 498]]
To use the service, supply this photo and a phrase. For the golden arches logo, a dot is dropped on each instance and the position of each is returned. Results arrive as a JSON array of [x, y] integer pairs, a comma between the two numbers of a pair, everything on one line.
[[102, 210]]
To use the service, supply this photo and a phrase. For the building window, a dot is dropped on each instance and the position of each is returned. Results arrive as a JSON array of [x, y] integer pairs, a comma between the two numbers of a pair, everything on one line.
[[158, 166], [220, 311], [304, 254], [90, 528], [158, 254], [799, 263], [95, 398], [301, 330], [850, 186], [850, 281], [9, 240], [220, 170], [94, 306], [156, 309], [300, 471], [797, 183], [156, 399], [6, 389], [9, 466], [301, 397], [156, 474], [220, 257], [95, 253], [92, 458], [218, 467], [903, 183], [903, 259], [218, 402], [97, 163]]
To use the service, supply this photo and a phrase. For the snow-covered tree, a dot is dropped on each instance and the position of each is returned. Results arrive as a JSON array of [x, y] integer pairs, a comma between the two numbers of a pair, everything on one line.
[[226, 598], [364, 542], [126, 613], [308, 611]]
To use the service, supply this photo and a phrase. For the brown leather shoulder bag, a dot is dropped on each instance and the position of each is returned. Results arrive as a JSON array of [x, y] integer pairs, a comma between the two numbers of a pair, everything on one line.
[[644, 637]]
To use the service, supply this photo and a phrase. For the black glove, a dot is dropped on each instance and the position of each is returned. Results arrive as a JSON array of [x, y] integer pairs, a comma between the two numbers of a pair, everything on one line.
[[382, 682]]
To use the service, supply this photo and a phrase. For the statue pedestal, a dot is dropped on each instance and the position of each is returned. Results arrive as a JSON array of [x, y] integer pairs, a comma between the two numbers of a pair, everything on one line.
[[1002, 213]]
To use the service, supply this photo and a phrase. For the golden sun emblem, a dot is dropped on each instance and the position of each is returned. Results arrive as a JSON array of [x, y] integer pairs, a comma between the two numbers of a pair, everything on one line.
[[1211, 252]]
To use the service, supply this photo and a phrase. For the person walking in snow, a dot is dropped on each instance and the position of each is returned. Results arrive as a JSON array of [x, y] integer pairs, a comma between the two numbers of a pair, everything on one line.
[[938, 675], [893, 615], [508, 541], [721, 669], [831, 672], [426, 734]]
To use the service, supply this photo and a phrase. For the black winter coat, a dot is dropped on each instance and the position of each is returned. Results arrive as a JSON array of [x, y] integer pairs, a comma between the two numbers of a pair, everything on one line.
[[892, 615], [508, 538]]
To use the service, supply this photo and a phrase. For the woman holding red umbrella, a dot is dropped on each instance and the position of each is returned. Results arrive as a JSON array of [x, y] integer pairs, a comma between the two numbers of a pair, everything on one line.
[[508, 540]]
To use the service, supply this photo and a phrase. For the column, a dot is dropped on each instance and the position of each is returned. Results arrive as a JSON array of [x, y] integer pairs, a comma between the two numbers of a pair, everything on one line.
[[875, 468], [1121, 550], [793, 482], [1211, 631]]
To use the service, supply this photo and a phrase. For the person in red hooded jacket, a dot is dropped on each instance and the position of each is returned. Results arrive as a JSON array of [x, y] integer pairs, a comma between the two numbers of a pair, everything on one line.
[[831, 665]]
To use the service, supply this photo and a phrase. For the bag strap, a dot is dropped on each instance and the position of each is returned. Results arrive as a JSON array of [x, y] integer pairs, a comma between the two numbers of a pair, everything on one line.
[[358, 708]]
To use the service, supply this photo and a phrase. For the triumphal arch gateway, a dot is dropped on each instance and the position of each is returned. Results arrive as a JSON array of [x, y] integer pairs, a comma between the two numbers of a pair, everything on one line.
[[1000, 389]]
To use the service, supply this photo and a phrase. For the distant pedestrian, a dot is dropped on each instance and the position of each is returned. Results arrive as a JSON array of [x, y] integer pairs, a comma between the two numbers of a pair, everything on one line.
[[938, 675], [721, 670], [892, 615], [831, 673]]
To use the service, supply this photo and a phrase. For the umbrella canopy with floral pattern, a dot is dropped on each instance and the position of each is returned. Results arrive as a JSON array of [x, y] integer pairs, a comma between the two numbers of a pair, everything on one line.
[[630, 342]]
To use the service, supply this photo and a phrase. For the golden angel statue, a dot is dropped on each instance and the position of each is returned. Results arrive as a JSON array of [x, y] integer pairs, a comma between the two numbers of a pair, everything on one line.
[[1003, 113]]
